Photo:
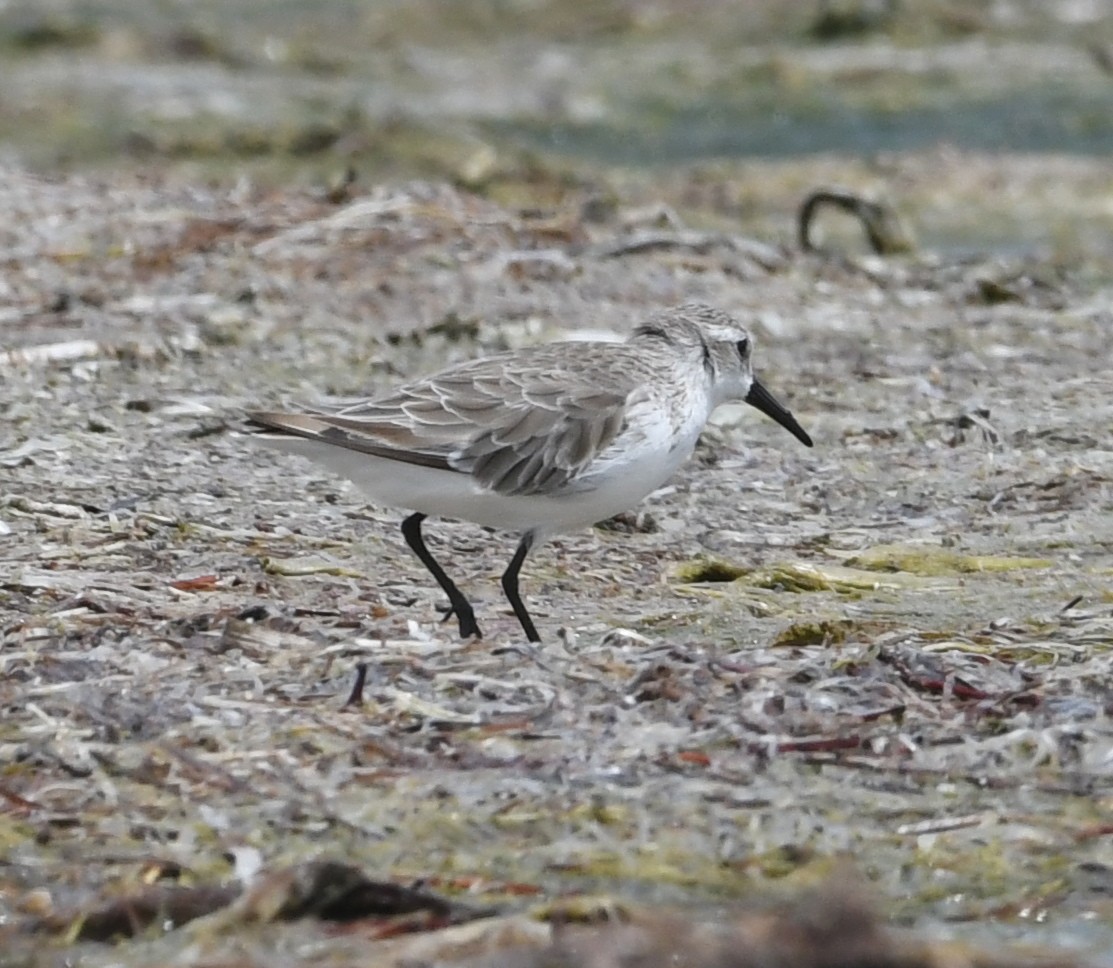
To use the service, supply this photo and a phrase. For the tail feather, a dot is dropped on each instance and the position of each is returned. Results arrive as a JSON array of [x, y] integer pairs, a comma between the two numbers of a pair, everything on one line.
[[278, 425]]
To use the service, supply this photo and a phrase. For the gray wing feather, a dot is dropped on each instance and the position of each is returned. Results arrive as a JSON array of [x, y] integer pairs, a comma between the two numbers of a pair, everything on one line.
[[517, 431]]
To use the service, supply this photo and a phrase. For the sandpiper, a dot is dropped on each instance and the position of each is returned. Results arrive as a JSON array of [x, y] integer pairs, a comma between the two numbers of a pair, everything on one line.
[[539, 440]]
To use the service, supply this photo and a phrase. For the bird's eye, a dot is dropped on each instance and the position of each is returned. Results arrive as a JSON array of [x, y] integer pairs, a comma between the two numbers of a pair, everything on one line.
[[743, 346]]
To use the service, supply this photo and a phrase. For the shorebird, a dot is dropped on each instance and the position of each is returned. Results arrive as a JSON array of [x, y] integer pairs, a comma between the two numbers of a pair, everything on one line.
[[538, 440]]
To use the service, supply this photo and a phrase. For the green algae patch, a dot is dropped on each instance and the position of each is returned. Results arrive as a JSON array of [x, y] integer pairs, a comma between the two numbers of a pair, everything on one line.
[[823, 632], [607, 814], [938, 562], [809, 633], [841, 579], [701, 571], [800, 577]]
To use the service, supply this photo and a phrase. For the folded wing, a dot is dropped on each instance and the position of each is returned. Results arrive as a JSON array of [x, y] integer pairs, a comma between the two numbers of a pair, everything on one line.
[[516, 432]]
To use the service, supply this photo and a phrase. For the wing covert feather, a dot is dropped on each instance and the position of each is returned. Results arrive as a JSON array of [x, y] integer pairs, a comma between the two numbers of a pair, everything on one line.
[[517, 431]]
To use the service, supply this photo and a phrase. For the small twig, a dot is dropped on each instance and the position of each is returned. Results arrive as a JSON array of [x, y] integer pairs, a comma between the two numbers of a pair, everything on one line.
[[1071, 604], [355, 698], [885, 232]]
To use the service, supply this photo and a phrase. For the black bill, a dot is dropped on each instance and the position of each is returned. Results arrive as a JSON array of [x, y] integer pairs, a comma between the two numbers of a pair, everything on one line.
[[765, 402]]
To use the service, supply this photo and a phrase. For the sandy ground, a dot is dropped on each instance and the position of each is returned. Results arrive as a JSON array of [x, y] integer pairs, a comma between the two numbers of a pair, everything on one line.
[[892, 650]]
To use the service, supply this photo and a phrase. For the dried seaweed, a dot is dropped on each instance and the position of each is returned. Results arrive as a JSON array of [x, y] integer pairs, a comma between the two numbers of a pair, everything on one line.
[[182, 617]]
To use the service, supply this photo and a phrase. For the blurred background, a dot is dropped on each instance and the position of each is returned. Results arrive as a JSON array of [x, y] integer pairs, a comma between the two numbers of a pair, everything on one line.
[[727, 110]]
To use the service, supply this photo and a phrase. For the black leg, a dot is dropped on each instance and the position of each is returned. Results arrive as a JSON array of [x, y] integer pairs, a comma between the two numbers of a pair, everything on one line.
[[461, 607], [510, 586]]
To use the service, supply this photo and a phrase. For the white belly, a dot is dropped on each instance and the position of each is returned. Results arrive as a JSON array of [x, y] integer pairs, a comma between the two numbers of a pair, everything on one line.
[[633, 466]]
